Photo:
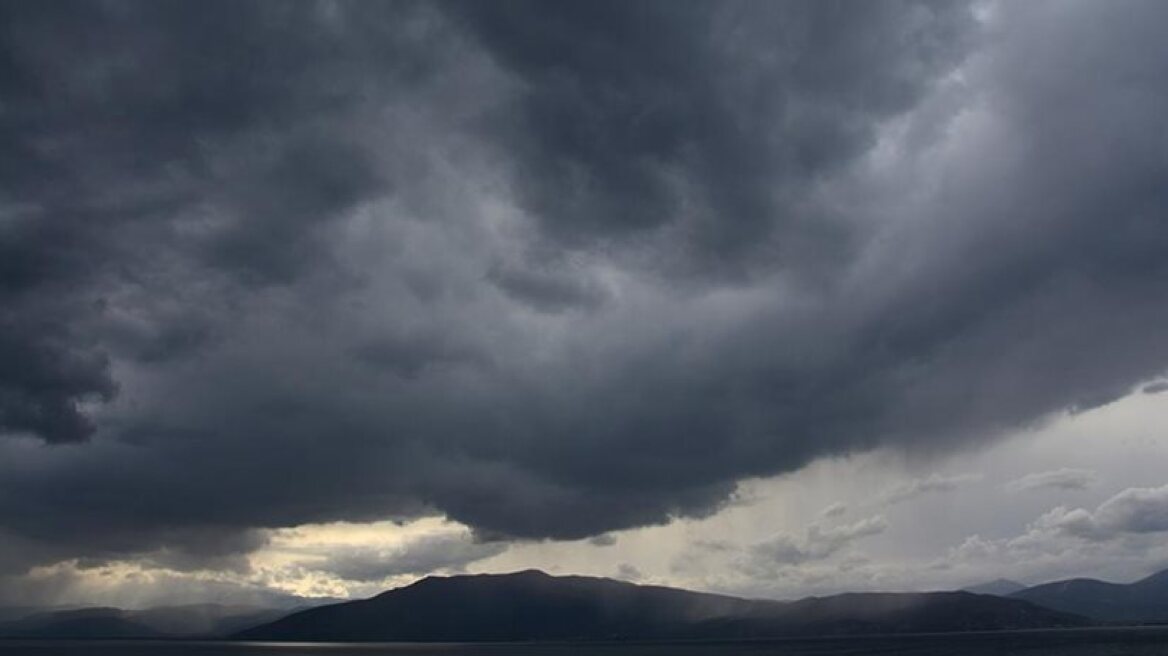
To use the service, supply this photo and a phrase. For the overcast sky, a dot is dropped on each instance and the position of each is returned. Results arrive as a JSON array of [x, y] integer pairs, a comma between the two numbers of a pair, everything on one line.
[[770, 298]]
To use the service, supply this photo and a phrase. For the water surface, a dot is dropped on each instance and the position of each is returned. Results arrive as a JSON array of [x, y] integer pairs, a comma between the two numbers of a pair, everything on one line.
[[1141, 641]]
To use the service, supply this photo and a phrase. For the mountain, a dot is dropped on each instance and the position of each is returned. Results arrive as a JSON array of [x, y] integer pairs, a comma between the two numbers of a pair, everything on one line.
[[999, 587], [85, 623], [12, 613], [1145, 600], [198, 620], [204, 619], [905, 612], [531, 605]]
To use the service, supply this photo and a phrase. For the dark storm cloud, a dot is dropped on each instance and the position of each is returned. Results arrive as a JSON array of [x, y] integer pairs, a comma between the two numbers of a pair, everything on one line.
[[635, 116], [123, 126], [546, 290], [303, 243], [48, 371]]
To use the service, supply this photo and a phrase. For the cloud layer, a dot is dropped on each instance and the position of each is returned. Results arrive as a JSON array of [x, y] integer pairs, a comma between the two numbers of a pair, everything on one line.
[[549, 270]]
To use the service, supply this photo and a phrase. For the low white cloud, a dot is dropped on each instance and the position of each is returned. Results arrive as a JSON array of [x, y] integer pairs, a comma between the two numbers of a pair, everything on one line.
[[1061, 479], [1156, 387], [974, 548], [1076, 523], [817, 543], [921, 486], [1135, 510], [1077, 532], [834, 510]]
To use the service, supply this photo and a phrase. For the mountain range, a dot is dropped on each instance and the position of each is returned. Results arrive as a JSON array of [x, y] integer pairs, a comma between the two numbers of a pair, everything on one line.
[[532, 605], [1145, 600], [188, 621]]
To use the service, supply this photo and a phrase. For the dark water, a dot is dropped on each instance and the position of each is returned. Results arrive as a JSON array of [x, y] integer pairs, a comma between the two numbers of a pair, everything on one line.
[[1080, 642]]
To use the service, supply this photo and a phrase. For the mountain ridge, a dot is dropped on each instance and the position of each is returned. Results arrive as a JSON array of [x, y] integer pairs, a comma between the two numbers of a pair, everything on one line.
[[535, 606], [207, 620], [1144, 600]]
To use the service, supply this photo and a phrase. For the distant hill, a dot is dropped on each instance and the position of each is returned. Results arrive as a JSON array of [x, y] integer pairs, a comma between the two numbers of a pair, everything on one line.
[[1145, 600], [907, 612], [531, 605], [85, 623], [11, 613], [199, 620], [205, 619], [999, 587]]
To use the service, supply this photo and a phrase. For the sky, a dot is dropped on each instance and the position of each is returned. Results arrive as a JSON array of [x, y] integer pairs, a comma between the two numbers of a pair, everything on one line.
[[313, 299]]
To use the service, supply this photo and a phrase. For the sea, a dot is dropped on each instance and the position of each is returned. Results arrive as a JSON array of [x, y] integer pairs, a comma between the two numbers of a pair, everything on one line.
[[1126, 641]]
